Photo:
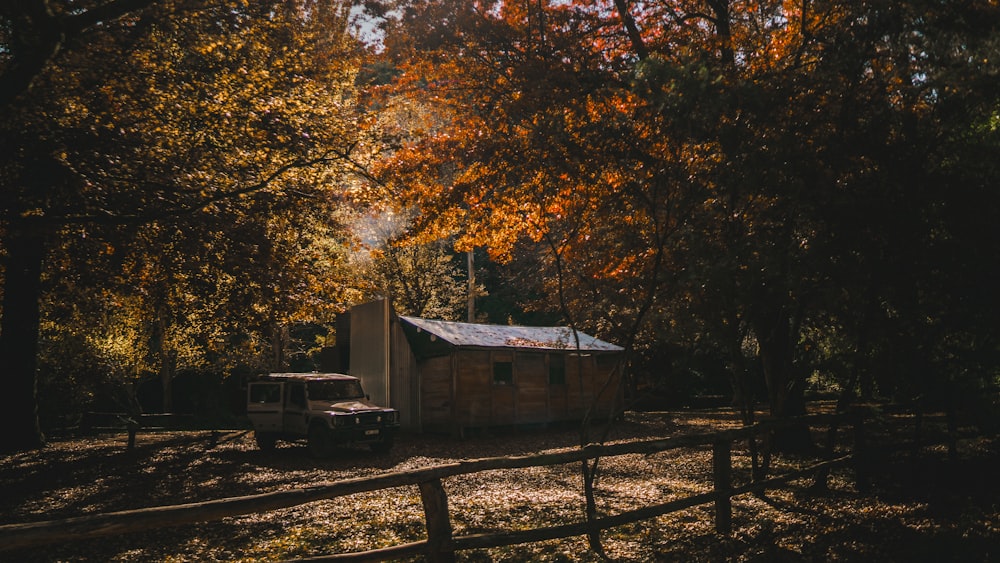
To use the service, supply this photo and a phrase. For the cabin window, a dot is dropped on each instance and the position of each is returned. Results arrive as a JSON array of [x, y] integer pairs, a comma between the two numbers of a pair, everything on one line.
[[557, 369], [503, 373]]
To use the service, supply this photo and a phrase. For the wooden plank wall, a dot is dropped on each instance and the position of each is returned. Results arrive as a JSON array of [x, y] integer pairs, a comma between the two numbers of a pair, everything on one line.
[[370, 349], [474, 386], [531, 379], [404, 382], [579, 385], [473, 400], [435, 393], [612, 398]]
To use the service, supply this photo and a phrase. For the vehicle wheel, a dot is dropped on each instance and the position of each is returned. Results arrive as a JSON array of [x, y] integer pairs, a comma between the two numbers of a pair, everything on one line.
[[265, 440], [319, 441]]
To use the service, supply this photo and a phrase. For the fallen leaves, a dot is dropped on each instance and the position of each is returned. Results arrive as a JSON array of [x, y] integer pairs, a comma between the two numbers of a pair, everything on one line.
[[96, 474]]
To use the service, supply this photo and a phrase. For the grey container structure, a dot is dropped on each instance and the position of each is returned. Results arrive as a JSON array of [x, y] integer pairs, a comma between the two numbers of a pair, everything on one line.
[[453, 377]]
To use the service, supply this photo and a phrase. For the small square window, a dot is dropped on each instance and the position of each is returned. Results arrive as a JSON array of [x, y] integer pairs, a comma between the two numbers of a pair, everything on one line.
[[503, 373]]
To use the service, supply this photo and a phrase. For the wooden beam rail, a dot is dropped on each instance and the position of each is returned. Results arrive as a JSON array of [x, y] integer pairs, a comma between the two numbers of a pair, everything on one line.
[[440, 545], [502, 539]]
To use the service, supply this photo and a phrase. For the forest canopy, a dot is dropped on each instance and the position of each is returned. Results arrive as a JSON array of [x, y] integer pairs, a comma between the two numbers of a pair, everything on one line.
[[797, 192], [754, 198]]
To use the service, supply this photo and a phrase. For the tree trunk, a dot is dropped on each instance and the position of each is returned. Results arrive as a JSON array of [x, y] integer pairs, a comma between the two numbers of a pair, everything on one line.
[[279, 339], [743, 397], [19, 340], [167, 355], [168, 367], [786, 392]]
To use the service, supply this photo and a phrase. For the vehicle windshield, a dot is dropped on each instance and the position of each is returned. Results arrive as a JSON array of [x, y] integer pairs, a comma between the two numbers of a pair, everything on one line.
[[335, 390]]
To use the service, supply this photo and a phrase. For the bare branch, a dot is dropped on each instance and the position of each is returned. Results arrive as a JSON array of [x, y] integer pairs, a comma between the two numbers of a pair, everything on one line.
[[236, 191], [38, 36]]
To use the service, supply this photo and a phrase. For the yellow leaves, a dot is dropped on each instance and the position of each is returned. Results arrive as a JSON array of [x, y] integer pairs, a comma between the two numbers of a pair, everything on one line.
[[209, 48]]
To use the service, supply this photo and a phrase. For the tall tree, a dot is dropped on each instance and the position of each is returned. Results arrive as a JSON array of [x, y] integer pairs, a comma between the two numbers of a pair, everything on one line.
[[759, 165], [422, 280], [180, 116]]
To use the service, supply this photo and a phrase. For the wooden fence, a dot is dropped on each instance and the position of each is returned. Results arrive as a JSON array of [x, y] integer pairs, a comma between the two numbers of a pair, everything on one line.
[[92, 422], [441, 544]]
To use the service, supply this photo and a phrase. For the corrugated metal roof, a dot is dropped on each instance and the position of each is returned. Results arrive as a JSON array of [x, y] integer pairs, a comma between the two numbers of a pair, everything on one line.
[[502, 336], [306, 376]]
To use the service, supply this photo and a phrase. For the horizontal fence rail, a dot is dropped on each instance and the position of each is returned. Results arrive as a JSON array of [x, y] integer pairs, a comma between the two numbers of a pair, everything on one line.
[[440, 544]]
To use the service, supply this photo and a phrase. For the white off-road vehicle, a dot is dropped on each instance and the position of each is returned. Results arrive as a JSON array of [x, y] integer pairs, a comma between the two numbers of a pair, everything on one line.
[[326, 409]]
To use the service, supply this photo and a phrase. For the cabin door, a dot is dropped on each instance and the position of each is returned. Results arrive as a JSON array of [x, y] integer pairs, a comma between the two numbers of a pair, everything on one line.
[[503, 403]]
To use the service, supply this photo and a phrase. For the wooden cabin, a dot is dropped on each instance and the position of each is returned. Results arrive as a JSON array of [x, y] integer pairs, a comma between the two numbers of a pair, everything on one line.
[[450, 376]]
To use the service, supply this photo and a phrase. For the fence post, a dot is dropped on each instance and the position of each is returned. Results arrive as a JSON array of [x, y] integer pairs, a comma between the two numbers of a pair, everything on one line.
[[132, 425], [721, 477], [438, 521]]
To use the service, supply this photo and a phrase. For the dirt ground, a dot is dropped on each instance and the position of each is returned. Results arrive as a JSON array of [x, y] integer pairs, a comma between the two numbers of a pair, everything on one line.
[[921, 507]]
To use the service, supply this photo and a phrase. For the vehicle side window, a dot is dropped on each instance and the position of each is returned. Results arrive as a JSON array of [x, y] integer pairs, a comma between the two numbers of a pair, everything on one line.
[[297, 396], [261, 393]]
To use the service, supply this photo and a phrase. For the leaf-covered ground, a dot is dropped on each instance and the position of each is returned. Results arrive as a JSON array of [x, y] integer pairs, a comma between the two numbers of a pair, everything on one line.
[[921, 506]]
